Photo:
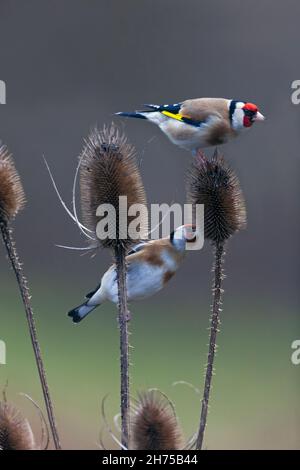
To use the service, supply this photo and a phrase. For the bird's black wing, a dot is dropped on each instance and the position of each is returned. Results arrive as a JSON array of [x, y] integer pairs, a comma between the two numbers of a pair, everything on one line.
[[135, 249], [173, 111], [172, 108], [90, 294]]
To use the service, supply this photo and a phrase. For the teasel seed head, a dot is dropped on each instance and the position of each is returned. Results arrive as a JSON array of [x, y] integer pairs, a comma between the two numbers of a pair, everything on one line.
[[154, 424], [12, 198], [109, 170], [15, 430], [215, 185]]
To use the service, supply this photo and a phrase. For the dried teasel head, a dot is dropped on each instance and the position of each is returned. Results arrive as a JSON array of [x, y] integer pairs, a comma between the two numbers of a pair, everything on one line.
[[12, 198], [15, 430], [154, 424], [215, 185], [109, 170]]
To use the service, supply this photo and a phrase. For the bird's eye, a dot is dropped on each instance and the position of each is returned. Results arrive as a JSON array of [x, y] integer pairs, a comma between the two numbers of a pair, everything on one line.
[[250, 114]]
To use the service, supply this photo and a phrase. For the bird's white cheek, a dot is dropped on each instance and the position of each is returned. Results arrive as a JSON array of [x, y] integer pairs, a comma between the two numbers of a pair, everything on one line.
[[238, 120]]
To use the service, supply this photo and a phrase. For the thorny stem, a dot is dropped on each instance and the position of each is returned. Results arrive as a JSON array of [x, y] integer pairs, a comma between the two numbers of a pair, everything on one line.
[[215, 321], [22, 283], [123, 319]]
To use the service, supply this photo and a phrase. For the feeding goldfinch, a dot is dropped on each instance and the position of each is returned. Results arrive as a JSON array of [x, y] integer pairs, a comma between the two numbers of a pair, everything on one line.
[[203, 122], [150, 265]]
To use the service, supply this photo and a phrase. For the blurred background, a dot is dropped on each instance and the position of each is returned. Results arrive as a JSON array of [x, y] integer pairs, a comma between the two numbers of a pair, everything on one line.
[[69, 65]]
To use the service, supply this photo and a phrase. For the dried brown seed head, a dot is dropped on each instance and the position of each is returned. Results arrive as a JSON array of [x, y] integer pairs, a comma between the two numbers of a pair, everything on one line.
[[215, 185], [154, 425], [12, 198], [108, 171], [15, 430]]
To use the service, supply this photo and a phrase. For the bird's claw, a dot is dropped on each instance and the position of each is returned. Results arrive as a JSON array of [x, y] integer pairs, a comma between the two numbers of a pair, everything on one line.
[[200, 156]]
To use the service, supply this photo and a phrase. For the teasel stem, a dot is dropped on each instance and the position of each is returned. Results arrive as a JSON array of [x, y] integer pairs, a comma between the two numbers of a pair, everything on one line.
[[214, 328], [109, 171], [214, 184], [7, 235], [123, 319]]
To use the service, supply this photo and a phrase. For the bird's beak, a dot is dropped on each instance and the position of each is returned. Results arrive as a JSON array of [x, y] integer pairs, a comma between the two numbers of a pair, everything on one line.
[[259, 117]]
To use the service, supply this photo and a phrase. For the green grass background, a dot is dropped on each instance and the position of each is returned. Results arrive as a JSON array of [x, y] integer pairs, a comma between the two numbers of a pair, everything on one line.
[[255, 397]]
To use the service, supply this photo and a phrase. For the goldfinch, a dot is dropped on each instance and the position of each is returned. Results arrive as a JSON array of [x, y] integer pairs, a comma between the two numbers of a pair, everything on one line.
[[150, 265], [203, 122]]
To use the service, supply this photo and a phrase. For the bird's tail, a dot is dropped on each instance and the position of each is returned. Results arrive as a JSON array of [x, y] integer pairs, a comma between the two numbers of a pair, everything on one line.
[[135, 114], [141, 114], [79, 313]]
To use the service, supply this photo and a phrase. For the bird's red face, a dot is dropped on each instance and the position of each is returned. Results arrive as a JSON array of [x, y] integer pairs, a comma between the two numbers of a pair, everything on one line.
[[251, 114]]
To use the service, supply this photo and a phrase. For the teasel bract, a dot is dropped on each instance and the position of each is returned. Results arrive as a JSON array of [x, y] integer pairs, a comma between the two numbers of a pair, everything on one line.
[[12, 200], [215, 185], [154, 423], [12, 197], [15, 430], [108, 171]]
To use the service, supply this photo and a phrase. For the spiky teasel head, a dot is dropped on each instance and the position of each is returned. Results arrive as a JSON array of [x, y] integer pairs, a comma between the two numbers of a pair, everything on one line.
[[154, 424], [15, 430], [215, 185], [12, 198], [108, 171]]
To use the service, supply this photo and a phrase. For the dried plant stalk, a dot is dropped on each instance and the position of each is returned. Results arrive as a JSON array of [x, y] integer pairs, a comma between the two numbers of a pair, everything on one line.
[[12, 200], [213, 184], [214, 328], [109, 171], [123, 318]]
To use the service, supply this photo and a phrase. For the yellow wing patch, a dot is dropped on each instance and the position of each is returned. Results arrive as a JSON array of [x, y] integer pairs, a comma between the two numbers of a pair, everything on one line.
[[182, 118], [179, 117]]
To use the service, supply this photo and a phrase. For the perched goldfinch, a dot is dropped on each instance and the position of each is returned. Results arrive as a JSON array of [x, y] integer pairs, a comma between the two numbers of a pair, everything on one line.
[[203, 122], [150, 265]]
